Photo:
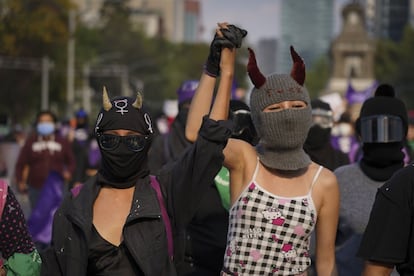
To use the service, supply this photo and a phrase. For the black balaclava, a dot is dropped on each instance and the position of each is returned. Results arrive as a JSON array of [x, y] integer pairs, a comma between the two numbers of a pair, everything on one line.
[[382, 159], [319, 134], [243, 124], [121, 167]]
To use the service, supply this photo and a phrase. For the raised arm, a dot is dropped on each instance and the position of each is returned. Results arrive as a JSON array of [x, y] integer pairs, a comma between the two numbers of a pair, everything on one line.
[[223, 55], [220, 109], [200, 106]]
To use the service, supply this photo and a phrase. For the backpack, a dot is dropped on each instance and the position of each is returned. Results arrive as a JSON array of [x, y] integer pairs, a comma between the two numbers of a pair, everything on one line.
[[167, 223]]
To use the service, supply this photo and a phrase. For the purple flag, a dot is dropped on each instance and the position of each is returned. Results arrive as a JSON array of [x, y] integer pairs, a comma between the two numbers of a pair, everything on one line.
[[41, 219], [354, 96]]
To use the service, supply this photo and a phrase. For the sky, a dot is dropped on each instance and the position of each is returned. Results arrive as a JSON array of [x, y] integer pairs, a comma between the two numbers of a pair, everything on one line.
[[258, 17]]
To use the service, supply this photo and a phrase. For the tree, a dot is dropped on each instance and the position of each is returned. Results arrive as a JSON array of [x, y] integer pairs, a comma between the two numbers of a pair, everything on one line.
[[317, 77], [30, 29], [394, 65]]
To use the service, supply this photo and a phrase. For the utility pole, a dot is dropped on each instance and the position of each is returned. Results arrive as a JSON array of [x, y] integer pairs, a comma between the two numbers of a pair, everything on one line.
[[70, 88], [34, 64], [86, 99], [46, 65]]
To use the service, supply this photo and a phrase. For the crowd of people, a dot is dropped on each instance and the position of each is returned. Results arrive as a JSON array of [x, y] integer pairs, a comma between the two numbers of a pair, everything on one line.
[[234, 186]]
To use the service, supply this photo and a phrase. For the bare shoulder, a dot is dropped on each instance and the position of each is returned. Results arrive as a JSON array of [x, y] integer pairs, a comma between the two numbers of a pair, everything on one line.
[[326, 178], [326, 186], [238, 154]]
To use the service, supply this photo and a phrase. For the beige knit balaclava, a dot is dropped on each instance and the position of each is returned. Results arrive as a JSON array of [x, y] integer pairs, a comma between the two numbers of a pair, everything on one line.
[[282, 133]]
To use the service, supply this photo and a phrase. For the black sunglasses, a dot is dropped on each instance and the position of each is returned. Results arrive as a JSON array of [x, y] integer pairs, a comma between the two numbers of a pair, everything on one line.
[[134, 143]]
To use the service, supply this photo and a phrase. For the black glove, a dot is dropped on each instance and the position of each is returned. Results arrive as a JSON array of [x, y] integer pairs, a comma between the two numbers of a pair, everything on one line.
[[212, 65], [233, 37], [234, 34]]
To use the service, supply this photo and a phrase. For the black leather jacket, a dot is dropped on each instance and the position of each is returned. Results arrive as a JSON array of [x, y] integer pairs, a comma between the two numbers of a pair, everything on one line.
[[182, 184]]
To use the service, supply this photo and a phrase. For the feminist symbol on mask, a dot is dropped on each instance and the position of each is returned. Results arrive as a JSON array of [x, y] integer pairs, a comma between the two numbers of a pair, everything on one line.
[[148, 121], [98, 121], [121, 104]]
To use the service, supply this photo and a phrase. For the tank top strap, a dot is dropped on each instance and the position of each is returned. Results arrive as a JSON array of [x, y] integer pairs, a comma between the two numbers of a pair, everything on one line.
[[256, 170], [315, 177]]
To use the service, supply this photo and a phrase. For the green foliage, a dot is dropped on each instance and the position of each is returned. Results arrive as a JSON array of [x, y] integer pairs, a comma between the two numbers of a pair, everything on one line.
[[317, 76], [30, 30], [394, 64], [37, 28]]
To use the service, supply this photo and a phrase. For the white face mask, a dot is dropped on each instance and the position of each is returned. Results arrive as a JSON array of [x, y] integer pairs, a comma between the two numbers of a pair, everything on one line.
[[344, 130]]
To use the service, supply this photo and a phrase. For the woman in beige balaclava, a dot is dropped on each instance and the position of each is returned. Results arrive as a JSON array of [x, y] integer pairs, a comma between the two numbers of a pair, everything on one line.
[[278, 195]]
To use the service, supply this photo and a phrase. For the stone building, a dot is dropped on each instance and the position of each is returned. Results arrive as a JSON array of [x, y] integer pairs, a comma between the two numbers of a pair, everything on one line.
[[352, 53]]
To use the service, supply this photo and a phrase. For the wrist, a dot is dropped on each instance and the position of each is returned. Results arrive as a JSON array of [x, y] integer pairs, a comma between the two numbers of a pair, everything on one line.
[[227, 73], [208, 71]]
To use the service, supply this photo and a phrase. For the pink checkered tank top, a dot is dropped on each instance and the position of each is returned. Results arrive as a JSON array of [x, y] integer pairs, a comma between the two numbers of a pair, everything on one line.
[[269, 234]]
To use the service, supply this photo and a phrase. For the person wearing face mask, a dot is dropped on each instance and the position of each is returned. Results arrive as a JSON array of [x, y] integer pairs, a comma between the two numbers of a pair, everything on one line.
[[206, 233], [43, 152], [382, 126], [318, 142], [278, 195], [81, 141], [169, 146], [117, 223]]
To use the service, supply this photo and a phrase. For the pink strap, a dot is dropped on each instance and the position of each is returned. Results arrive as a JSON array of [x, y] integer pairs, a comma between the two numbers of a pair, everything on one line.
[[3, 195], [76, 190], [164, 214]]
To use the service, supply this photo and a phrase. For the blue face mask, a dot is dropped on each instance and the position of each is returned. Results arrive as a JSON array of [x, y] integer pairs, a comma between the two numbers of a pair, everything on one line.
[[45, 128]]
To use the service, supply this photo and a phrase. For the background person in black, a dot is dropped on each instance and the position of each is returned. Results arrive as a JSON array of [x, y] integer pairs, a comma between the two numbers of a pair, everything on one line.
[[382, 127], [169, 146], [207, 231], [388, 240], [319, 148], [79, 136], [318, 143]]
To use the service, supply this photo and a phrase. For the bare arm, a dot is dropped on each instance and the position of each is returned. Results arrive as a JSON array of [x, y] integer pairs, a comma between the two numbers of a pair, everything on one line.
[[201, 102], [377, 269], [326, 226], [200, 106], [220, 109], [240, 158]]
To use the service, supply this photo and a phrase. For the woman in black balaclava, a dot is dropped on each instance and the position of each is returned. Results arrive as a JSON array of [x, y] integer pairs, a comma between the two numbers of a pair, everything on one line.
[[318, 142], [117, 223], [169, 146], [382, 126]]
